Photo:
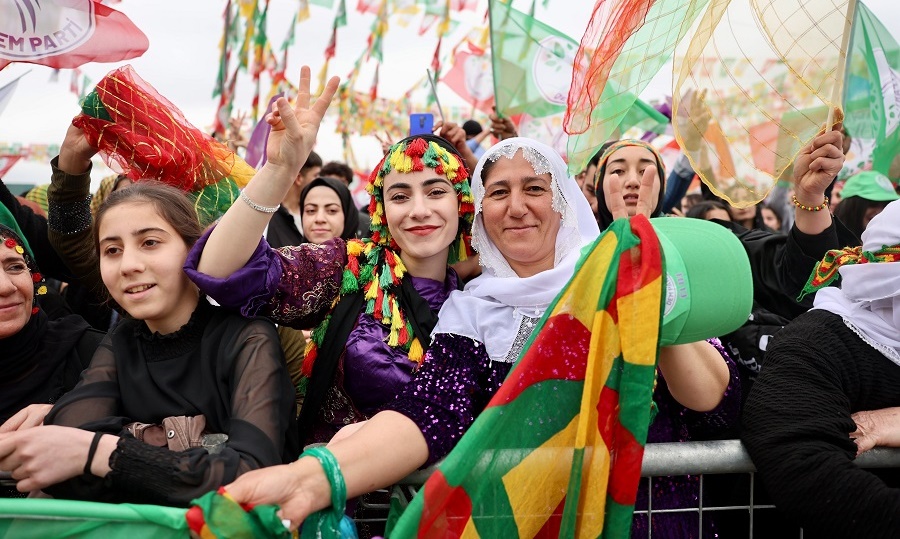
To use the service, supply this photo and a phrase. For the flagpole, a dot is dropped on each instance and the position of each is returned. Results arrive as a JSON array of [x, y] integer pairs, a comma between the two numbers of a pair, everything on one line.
[[434, 93], [837, 92], [490, 13]]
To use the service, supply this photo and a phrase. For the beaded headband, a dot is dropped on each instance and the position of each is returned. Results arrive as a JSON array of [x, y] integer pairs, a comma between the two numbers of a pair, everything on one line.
[[11, 240], [601, 164], [417, 153]]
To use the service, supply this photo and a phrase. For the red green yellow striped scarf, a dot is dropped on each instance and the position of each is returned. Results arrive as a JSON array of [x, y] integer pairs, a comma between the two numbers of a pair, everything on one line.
[[826, 271], [558, 450]]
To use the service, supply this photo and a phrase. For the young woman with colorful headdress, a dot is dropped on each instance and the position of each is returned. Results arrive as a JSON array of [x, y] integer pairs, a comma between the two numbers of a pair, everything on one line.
[[373, 302]]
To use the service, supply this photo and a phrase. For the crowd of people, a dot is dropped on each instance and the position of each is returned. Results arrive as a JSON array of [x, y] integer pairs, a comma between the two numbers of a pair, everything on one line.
[[151, 361]]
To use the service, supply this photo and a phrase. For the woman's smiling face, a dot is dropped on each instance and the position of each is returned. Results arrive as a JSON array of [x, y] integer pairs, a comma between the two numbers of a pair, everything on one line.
[[518, 214], [422, 213]]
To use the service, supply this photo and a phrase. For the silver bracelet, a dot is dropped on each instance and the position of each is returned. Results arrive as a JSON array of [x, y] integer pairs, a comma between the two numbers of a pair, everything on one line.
[[258, 207]]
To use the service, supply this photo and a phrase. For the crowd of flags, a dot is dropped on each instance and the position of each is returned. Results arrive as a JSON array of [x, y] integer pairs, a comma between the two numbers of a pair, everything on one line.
[[751, 84]]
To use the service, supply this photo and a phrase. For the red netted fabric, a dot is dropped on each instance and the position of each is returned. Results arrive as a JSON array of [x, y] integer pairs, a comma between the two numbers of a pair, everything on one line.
[[612, 24], [145, 136]]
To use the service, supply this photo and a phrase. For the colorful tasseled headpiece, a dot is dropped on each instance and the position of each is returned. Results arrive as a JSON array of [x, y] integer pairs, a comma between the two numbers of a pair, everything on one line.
[[417, 153], [374, 265], [12, 239]]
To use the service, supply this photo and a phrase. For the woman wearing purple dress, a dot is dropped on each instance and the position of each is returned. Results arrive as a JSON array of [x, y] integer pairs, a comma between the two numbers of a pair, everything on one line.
[[531, 222], [373, 302]]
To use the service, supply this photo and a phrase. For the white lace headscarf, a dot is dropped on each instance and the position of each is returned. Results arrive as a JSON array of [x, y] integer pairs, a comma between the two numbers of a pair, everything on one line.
[[869, 297], [566, 197], [499, 301]]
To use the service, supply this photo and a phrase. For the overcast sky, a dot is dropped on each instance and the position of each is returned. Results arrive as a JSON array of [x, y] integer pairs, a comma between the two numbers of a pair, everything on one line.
[[182, 63]]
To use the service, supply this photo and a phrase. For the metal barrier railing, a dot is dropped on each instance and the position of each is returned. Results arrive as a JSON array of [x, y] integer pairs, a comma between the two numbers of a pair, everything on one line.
[[716, 458], [703, 459]]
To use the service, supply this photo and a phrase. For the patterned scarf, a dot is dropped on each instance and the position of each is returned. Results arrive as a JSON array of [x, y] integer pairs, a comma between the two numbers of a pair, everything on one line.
[[557, 451], [826, 271]]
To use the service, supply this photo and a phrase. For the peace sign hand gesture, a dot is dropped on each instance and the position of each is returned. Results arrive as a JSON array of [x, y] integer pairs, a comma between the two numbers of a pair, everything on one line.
[[294, 129], [645, 202]]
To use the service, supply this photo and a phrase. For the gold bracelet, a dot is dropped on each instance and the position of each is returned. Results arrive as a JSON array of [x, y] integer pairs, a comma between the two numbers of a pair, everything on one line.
[[820, 207], [258, 207]]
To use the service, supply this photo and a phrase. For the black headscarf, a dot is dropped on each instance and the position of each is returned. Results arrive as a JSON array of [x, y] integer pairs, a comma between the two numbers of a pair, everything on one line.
[[604, 216], [351, 213], [41, 361]]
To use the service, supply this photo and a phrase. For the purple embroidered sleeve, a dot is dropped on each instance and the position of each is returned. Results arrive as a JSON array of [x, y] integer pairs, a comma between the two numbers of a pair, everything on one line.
[[454, 384], [294, 286]]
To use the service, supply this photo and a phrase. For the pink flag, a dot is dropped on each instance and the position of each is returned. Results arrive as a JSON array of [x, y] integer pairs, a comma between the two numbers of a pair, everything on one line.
[[471, 78], [65, 34]]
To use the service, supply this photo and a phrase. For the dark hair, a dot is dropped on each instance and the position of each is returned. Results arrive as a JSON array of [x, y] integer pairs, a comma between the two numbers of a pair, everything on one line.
[[312, 161], [336, 169], [472, 128], [774, 209], [170, 203], [604, 216], [596, 159], [351, 214], [851, 211], [700, 209], [693, 198]]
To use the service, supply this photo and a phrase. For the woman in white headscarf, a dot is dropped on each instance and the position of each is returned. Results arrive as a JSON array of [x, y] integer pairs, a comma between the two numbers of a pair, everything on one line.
[[531, 222], [828, 392]]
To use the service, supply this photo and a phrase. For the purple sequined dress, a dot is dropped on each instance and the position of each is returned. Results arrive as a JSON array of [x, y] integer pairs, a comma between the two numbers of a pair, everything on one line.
[[458, 379], [296, 286]]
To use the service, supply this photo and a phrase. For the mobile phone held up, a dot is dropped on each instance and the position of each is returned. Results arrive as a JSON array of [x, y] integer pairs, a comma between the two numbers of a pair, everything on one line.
[[421, 124]]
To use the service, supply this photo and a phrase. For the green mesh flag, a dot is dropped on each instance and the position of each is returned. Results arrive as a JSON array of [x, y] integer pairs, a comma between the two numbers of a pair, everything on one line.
[[532, 73], [872, 95], [532, 63]]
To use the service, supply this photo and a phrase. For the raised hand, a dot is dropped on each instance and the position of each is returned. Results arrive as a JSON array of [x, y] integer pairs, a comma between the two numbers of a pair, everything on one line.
[[457, 136], [294, 129], [616, 200], [693, 119], [386, 142], [75, 153], [502, 128], [816, 166]]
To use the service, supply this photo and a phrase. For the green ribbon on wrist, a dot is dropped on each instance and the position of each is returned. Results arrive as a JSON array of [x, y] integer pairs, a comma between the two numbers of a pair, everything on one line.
[[330, 522]]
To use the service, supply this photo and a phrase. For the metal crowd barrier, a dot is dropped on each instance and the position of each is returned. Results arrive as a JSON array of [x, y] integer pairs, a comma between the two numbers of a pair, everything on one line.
[[718, 458], [710, 461]]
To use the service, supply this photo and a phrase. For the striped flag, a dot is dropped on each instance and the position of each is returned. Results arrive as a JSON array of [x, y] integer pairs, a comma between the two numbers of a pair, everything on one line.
[[558, 450], [216, 514]]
